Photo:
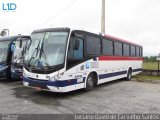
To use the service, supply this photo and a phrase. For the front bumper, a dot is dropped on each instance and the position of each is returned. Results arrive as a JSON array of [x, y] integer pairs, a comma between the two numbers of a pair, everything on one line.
[[2, 74], [16, 75], [3, 71], [54, 86]]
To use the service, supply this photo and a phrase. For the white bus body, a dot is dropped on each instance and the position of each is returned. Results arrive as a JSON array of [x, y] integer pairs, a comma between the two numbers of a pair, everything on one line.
[[101, 67]]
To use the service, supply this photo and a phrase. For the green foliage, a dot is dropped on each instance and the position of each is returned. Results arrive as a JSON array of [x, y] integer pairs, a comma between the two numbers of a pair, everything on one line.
[[150, 59], [140, 77], [150, 63]]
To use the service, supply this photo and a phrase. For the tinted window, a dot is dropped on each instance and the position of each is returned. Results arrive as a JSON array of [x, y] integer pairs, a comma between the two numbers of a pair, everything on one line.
[[18, 54], [141, 51], [107, 47], [4, 50], [78, 52], [93, 45], [137, 51], [133, 51], [125, 49], [117, 48], [53, 46]]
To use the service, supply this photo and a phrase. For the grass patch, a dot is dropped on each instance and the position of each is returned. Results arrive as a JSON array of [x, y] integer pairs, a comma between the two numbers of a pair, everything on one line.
[[150, 65], [146, 77]]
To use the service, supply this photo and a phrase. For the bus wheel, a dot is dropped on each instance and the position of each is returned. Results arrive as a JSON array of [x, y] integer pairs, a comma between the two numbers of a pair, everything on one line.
[[90, 83], [129, 75]]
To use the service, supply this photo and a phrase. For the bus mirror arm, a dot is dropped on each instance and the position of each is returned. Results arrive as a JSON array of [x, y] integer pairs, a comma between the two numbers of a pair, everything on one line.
[[77, 36], [76, 45], [27, 37], [77, 42], [20, 43]]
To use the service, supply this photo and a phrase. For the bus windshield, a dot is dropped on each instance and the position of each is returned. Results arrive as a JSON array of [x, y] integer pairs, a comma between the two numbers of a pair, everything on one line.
[[4, 50], [47, 49], [18, 54]]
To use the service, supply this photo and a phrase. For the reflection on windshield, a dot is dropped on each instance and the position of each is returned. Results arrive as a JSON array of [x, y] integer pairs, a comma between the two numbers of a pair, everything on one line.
[[4, 50], [18, 54], [47, 49]]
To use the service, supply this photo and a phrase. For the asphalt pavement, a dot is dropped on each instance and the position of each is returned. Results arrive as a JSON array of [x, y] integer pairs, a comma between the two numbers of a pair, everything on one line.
[[114, 97]]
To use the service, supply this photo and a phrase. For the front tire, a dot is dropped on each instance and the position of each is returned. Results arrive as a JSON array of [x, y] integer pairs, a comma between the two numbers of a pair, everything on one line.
[[90, 83], [129, 75]]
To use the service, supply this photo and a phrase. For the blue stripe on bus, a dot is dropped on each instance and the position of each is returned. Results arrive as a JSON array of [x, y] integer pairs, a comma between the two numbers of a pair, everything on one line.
[[108, 75], [71, 81]]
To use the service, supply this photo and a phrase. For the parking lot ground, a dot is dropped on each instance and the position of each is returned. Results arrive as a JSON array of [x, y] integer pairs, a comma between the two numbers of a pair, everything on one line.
[[113, 97]]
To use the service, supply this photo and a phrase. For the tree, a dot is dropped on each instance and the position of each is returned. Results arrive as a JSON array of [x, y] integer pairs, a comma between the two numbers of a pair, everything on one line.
[[150, 59]]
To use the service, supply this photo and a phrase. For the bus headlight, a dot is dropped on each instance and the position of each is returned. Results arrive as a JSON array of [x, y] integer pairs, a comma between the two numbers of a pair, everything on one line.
[[3, 68], [18, 69], [52, 79], [56, 77], [25, 74], [59, 75], [12, 69]]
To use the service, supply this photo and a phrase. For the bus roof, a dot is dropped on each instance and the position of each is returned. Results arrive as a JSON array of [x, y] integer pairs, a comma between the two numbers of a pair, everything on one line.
[[50, 29], [74, 29], [121, 40]]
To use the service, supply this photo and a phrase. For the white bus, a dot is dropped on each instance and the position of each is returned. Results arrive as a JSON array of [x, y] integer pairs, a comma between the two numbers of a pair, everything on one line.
[[63, 60]]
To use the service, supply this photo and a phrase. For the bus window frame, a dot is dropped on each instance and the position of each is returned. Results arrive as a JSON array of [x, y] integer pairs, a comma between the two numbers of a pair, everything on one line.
[[81, 33], [103, 46], [97, 36]]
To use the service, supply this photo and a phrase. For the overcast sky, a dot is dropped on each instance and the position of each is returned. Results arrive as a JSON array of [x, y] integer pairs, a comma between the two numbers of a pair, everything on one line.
[[134, 20]]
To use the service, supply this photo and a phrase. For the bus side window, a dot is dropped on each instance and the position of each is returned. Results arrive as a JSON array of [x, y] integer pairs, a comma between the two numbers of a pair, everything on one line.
[[75, 52], [78, 49]]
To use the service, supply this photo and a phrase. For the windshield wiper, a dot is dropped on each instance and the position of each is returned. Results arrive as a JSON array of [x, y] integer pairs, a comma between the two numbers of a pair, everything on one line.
[[20, 56], [46, 62], [35, 50], [40, 55]]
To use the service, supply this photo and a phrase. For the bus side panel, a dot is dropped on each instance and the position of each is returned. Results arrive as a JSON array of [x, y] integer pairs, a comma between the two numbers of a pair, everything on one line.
[[116, 69], [75, 78]]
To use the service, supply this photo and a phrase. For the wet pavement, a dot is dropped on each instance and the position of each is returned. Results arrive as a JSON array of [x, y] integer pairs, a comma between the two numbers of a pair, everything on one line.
[[113, 97]]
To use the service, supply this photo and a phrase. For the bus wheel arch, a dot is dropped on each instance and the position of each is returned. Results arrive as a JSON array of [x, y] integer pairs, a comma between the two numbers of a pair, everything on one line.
[[91, 77]]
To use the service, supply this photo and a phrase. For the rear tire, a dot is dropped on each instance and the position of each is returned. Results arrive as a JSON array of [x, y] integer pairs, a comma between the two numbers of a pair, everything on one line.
[[129, 75], [90, 83]]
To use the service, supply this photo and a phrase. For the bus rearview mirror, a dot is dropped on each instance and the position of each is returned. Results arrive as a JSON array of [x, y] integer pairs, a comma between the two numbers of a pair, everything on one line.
[[76, 45], [13, 47], [21, 41]]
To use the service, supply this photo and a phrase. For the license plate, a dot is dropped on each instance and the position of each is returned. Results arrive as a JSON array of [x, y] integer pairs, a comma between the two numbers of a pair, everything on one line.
[[38, 88]]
